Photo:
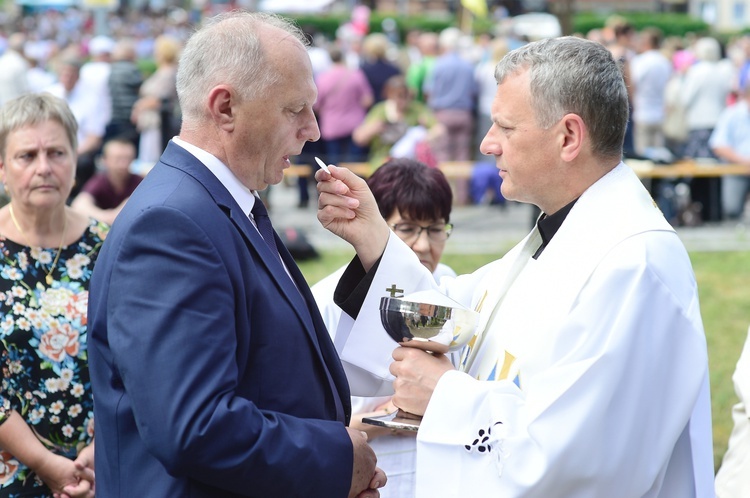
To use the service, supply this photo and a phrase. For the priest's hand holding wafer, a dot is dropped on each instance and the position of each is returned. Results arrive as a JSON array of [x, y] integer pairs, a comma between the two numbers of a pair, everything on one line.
[[347, 208]]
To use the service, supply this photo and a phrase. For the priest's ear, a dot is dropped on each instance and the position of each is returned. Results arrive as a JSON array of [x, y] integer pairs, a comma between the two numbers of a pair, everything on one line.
[[573, 134]]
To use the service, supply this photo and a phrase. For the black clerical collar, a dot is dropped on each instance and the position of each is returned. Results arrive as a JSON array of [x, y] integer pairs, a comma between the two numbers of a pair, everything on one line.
[[549, 225]]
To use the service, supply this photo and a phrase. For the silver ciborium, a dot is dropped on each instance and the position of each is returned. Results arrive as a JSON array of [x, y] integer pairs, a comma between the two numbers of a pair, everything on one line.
[[427, 320]]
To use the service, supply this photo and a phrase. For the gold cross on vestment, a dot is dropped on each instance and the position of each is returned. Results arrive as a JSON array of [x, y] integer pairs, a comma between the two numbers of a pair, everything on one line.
[[392, 290]]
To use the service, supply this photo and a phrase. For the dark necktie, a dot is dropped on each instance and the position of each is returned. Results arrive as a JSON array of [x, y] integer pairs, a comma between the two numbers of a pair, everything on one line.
[[263, 222]]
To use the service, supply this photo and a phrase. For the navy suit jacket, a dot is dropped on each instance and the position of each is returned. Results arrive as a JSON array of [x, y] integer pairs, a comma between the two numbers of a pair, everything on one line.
[[213, 375]]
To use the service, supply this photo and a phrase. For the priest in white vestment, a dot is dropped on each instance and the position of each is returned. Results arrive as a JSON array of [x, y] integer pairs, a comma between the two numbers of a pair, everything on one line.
[[588, 375]]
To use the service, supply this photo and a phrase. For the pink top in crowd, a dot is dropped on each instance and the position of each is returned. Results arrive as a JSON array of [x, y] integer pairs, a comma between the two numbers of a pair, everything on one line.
[[341, 92]]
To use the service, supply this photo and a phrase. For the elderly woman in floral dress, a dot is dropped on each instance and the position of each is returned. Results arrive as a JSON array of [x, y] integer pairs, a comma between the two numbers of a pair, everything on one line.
[[47, 252]]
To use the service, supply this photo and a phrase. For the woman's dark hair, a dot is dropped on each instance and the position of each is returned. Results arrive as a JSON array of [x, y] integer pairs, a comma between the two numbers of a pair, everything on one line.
[[416, 190]]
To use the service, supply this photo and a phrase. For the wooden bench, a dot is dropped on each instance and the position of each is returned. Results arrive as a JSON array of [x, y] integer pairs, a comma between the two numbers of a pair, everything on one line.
[[712, 172], [685, 169], [459, 173], [461, 170], [453, 170]]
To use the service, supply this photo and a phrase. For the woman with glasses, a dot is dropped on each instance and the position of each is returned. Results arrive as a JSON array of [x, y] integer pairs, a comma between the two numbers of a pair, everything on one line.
[[416, 202]]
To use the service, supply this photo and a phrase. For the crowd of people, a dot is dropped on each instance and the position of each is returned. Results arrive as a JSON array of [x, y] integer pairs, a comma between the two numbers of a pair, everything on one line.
[[678, 89], [202, 363]]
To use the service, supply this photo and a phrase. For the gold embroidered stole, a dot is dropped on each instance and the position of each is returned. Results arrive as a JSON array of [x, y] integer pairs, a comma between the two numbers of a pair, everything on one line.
[[476, 359]]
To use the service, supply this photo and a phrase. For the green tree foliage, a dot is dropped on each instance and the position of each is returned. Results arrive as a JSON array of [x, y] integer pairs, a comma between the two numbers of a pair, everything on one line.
[[671, 24]]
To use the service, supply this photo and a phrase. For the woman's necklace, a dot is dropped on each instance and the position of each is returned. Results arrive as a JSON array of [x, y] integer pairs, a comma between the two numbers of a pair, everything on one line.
[[48, 278]]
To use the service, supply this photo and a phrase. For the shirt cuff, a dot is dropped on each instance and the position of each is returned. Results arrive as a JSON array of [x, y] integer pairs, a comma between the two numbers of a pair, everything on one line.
[[353, 286]]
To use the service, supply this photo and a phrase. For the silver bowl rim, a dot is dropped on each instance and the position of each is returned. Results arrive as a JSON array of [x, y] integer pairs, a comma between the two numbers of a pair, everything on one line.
[[404, 305]]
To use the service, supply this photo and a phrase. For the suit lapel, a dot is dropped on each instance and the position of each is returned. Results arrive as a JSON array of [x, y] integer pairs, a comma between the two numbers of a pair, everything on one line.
[[294, 289], [177, 157], [335, 371]]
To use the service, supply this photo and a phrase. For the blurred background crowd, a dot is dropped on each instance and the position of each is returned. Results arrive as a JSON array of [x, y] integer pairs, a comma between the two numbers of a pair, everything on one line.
[[421, 94], [417, 94]]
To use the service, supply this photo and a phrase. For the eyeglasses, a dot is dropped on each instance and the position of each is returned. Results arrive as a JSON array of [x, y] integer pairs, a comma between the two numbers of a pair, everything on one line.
[[410, 232]]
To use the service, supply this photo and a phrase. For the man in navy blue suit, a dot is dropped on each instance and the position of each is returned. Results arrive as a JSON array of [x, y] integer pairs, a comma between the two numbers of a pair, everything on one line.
[[212, 370]]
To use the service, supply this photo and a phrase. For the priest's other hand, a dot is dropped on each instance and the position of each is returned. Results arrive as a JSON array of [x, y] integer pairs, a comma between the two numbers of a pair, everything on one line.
[[417, 373]]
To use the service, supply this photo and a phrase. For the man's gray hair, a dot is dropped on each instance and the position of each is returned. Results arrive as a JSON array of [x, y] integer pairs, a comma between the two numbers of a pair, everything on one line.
[[33, 109], [573, 75], [228, 50]]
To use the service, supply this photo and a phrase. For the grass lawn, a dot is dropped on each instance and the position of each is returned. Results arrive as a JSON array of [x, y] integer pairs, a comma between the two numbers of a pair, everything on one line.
[[725, 305], [723, 282]]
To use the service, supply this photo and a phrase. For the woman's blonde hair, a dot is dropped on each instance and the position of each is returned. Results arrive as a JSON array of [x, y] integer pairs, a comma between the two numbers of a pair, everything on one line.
[[375, 46], [166, 49]]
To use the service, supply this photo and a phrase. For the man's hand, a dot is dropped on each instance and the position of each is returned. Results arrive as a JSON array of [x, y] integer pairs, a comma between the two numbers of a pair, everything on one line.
[[417, 373], [366, 477], [347, 208], [377, 482]]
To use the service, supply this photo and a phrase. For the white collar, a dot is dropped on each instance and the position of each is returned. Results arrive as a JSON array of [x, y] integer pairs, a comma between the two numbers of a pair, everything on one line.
[[243, 195]]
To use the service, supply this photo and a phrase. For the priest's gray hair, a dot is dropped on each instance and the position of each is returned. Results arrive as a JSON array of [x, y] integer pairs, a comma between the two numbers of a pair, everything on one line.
[[33, 109], [573, 75], [228, 50]]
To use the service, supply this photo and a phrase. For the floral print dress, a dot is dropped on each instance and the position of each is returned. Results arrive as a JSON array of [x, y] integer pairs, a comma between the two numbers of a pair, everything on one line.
[[43, 350]]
